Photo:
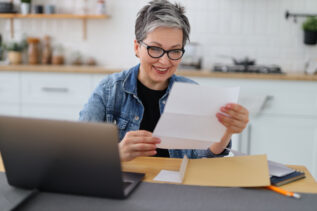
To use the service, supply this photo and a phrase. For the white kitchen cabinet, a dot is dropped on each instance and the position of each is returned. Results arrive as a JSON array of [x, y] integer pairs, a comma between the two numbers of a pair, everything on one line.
[[286, 139], [9, 109], [64, 112], [54, 95], [9, 87], [283, 125], [10, 93], [55, 89]]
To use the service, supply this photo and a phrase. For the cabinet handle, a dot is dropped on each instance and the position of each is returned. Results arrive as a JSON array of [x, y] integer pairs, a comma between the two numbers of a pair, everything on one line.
[[266, 102], [249, 128], [55, 89]]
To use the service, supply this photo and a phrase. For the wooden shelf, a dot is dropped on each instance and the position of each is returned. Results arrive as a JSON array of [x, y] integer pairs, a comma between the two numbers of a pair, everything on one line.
[[203, 73], [55, 16], [52, 16]]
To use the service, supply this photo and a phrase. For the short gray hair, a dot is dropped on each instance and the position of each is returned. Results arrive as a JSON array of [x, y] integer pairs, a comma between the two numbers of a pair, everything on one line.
[[161, 13]]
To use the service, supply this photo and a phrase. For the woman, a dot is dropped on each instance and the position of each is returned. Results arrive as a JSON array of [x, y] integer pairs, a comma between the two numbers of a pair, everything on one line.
[[135, 99]]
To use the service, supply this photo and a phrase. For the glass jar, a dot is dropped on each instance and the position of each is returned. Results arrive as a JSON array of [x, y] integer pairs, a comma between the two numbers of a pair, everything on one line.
[[47, 51], [58, 55], [33, 52]]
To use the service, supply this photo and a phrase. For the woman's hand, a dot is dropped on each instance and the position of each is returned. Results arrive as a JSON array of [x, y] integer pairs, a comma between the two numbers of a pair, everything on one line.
[[236, 120], [137, 143]]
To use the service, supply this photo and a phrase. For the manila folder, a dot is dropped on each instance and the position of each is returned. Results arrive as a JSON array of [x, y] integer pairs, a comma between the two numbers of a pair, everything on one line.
[[242, 171]]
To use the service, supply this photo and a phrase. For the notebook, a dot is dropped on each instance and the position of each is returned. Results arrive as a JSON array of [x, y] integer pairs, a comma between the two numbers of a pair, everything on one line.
[[278, 181], [64, 157]]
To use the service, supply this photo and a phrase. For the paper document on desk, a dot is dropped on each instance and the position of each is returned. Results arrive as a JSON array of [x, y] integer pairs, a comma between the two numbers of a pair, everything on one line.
[[173, 176], [189, 120]]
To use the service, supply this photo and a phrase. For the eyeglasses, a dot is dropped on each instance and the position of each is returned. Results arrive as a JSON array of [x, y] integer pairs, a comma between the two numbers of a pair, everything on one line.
[[157, 52]]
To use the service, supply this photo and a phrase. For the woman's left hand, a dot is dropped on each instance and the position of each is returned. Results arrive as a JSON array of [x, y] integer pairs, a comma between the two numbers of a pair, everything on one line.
[[236, 120]]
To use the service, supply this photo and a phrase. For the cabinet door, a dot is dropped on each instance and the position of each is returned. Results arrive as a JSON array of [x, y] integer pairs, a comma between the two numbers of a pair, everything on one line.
[[54, 95], [51, 112], [10, 93], [274, 97], [9, 110], [9, 88], [286, 139], [55, 88]]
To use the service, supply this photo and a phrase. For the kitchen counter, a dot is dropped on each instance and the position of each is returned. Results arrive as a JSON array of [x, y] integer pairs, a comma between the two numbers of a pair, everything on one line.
[[188, 73]]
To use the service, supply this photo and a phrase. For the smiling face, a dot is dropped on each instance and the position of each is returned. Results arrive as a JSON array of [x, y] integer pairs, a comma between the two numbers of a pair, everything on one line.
[[154, 73]]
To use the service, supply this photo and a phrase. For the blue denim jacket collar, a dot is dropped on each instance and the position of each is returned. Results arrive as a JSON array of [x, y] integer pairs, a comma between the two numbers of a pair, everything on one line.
[[129, 84]]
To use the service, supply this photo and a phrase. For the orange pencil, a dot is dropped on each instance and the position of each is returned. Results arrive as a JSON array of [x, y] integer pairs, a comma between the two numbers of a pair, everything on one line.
[[283, 192]]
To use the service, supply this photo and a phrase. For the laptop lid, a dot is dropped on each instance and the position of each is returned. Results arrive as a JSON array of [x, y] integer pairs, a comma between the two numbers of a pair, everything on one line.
[[64, 157]]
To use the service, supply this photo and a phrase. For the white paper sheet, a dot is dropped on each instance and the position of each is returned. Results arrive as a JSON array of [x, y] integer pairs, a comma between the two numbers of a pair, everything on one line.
[[173, 176], [168, 176], [189, 119]]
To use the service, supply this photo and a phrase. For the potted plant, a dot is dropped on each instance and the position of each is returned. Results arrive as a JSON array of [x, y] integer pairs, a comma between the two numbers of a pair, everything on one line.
[[25, 7], [310, 31], [14, 50]]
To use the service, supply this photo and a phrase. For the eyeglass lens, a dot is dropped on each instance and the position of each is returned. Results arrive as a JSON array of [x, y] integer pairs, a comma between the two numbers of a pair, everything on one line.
[[157, 52]]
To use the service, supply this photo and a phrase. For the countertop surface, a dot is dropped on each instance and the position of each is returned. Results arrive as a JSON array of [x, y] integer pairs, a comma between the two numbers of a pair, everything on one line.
[[189, 73]]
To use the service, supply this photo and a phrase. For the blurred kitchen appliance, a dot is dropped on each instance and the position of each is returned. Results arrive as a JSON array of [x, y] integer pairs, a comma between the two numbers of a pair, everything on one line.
[[192, 58], [246, 65], [311, 66], [6, 7], [38, 9]]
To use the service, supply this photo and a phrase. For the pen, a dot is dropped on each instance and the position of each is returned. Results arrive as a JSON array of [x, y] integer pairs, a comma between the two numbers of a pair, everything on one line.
[[283, 192]]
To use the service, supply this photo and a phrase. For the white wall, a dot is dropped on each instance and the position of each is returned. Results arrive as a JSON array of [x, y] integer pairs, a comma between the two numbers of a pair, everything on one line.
[[254, 28]]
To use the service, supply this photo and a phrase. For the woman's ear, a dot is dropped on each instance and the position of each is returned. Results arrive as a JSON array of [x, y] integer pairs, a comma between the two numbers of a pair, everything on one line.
[[136, 48]]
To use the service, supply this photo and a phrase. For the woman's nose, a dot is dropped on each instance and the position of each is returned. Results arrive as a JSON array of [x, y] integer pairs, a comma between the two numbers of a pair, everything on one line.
[[164, 59]]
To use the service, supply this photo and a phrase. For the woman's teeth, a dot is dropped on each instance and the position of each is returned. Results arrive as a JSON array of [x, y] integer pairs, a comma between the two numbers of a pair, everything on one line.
[[161, 69]]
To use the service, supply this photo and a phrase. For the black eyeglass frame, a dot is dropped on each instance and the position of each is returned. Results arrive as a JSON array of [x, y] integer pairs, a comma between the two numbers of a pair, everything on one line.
[[163, 51]]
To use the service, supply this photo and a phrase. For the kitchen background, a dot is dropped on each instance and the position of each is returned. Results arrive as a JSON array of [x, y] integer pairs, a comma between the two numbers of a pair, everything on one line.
[[239, 28], [283, 107]]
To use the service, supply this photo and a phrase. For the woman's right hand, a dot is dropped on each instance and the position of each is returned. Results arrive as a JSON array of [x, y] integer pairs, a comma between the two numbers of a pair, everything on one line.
[[137, 143]]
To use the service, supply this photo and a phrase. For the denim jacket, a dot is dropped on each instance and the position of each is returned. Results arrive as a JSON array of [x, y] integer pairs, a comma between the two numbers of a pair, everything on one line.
[[115, 100]]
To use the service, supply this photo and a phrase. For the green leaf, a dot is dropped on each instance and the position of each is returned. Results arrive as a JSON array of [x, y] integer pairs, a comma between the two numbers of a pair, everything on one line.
[[310, 24]]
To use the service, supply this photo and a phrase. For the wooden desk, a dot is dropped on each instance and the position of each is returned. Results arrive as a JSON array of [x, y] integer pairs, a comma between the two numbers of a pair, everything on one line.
[[151, 166]]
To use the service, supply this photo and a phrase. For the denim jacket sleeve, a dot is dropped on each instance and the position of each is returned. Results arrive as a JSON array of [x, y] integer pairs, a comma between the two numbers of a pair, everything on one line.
[[194, 153], [209, 154]]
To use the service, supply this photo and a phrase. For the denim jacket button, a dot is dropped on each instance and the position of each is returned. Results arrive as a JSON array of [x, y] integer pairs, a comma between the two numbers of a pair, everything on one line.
[[136, 118]]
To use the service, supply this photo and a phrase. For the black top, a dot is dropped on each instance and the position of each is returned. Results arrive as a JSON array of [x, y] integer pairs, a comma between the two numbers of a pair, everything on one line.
[[150, 100]]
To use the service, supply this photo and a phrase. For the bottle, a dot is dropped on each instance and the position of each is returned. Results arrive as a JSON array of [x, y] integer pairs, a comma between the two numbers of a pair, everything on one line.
[[1, 47], [33, 52], [58, 56], [47, 51], [101, 7]]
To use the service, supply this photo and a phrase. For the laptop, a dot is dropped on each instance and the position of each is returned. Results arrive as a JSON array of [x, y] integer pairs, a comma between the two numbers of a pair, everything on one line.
[[64, 157]]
